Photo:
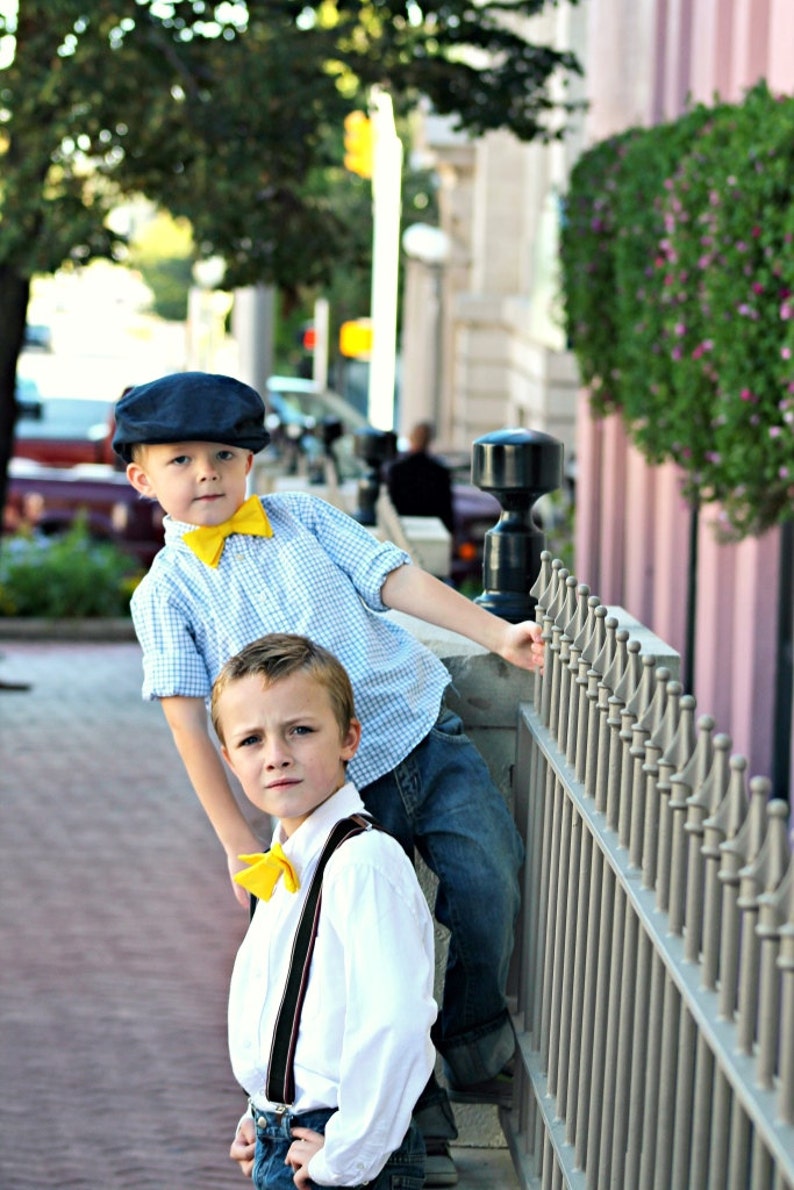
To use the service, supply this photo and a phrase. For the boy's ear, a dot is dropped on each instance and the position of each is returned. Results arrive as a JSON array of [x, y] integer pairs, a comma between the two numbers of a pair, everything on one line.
[[351, 740], [250, 462], [139, 479]]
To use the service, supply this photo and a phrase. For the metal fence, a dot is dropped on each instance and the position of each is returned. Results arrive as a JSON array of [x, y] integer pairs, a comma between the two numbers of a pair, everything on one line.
[[655, 963]]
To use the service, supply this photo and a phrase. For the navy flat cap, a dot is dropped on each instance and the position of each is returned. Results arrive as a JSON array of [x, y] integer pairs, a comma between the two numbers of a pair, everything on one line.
[[190, 407]]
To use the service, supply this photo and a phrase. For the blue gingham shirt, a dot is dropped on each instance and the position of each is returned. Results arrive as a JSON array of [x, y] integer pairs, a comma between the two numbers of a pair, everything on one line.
[[319, 575]]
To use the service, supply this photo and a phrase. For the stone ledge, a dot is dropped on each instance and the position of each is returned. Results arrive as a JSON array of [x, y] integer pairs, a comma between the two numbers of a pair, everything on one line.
[[31, 628]]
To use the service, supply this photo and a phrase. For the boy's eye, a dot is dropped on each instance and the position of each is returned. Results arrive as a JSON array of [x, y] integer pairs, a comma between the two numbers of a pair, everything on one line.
[[179, 459], [248, 741], [225, 455], [301, 729]]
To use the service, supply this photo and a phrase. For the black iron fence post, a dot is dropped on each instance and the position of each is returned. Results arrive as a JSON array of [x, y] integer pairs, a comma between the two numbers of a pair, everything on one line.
[[518, 467]]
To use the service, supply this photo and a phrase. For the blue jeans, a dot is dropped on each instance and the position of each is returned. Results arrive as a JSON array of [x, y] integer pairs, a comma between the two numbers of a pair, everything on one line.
[[405, 1169], [442, 801]]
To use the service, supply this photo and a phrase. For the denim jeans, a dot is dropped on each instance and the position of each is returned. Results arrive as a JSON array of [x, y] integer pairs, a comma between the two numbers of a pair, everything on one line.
[[405, 1169], [441, 799]]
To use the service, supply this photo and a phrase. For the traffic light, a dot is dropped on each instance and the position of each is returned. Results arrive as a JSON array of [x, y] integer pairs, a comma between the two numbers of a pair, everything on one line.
[[355, 338], [359, 144]]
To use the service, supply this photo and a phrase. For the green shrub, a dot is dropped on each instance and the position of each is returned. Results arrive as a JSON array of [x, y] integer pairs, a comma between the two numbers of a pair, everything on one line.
[[61, 577], [587, 259], [642, 299], [687, 322]]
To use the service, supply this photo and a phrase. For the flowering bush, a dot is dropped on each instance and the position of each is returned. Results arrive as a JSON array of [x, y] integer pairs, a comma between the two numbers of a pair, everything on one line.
[[645, 282], [701, 303], [587, 256]]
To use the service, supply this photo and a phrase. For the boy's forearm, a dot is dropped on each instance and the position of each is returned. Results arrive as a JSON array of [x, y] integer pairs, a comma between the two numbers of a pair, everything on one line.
[[412, 590], [188, 722]]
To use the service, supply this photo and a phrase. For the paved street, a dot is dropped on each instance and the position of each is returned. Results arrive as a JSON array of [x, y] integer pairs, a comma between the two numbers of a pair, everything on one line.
[[117, 935]]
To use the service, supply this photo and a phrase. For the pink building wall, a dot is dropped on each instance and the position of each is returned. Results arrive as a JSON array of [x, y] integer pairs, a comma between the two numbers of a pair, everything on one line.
[[642, 62]]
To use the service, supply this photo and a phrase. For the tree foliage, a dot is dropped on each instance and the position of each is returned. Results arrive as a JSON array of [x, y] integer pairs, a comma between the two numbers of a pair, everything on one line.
[[230, 116]]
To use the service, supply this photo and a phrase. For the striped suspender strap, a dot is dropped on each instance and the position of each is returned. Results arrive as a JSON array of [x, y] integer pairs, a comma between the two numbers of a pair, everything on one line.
[[280, 1086]]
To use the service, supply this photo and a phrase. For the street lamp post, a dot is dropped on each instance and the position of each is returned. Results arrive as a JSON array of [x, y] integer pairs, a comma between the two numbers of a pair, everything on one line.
[[207, 308], [429, 247]]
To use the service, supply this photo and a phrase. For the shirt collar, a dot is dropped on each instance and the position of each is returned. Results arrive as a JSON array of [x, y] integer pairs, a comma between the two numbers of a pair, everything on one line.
[[307, 841], [175, 530]]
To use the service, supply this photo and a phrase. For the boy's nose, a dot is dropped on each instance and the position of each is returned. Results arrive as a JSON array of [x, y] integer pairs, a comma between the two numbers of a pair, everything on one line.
[[277, 755]]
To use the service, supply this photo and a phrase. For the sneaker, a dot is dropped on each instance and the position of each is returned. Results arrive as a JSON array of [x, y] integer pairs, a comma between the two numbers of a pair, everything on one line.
[[497, 1090], [439, 1166]]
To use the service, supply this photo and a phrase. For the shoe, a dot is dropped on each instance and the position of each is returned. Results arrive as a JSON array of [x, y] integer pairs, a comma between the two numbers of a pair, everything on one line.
[[439, 1166], [497, 1090]]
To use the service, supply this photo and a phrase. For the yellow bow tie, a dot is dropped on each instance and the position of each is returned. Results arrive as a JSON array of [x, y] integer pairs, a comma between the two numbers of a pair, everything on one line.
[[265, 869], [207, 542]]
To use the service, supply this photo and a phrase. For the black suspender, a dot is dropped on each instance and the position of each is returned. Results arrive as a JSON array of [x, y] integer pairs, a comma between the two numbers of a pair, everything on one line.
[[280, 1086]]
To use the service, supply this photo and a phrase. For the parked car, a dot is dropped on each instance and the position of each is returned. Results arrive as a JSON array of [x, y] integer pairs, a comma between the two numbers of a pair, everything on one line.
[[38, 337], [48, 500], [300, 405], [61, 431]]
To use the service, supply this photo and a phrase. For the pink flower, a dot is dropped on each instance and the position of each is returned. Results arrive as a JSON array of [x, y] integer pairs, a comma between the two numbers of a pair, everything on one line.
[[755, 233], [676, 353], [785, 353], [775, 431], [746, 395], [680, 328], [786, 311], [757, 287]]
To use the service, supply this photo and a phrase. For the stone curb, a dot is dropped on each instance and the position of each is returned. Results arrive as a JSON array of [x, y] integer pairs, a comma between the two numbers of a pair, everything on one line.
[[89, 630]]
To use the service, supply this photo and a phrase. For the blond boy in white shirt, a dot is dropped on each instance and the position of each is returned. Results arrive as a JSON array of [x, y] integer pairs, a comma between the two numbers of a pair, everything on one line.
[[283, 711]]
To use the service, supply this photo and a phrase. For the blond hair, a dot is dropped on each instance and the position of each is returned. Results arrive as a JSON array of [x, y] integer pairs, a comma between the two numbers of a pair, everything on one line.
[[279, 655]]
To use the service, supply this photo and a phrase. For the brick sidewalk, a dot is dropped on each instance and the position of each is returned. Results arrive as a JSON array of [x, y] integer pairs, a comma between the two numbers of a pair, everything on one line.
[[117, 933]]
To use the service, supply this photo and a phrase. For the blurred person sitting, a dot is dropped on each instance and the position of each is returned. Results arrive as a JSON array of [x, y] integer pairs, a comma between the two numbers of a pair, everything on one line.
[[419, 484]]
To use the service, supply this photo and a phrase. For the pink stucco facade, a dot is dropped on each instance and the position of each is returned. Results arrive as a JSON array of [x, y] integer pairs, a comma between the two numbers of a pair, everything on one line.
[[642, 62]]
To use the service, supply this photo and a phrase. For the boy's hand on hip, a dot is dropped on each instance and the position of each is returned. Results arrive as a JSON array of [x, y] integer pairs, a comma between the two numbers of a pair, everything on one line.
[[301, 1151], [244, 1147]]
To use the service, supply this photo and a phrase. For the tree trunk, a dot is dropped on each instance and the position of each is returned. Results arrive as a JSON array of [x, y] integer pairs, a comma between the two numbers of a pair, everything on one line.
[[14, 295]]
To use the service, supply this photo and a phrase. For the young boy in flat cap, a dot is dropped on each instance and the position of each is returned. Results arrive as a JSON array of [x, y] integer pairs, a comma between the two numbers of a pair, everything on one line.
[[233, 570], [338, 1113]]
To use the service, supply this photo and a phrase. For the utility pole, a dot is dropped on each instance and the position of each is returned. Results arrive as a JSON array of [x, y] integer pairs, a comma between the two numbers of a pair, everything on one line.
[[386, 189]]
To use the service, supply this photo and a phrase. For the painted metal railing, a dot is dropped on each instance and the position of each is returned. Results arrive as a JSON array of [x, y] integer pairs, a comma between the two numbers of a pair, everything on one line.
[[655, 961]]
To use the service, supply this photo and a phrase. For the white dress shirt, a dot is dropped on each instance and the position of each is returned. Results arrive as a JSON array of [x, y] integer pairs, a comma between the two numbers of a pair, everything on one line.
[[364, 1044]]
